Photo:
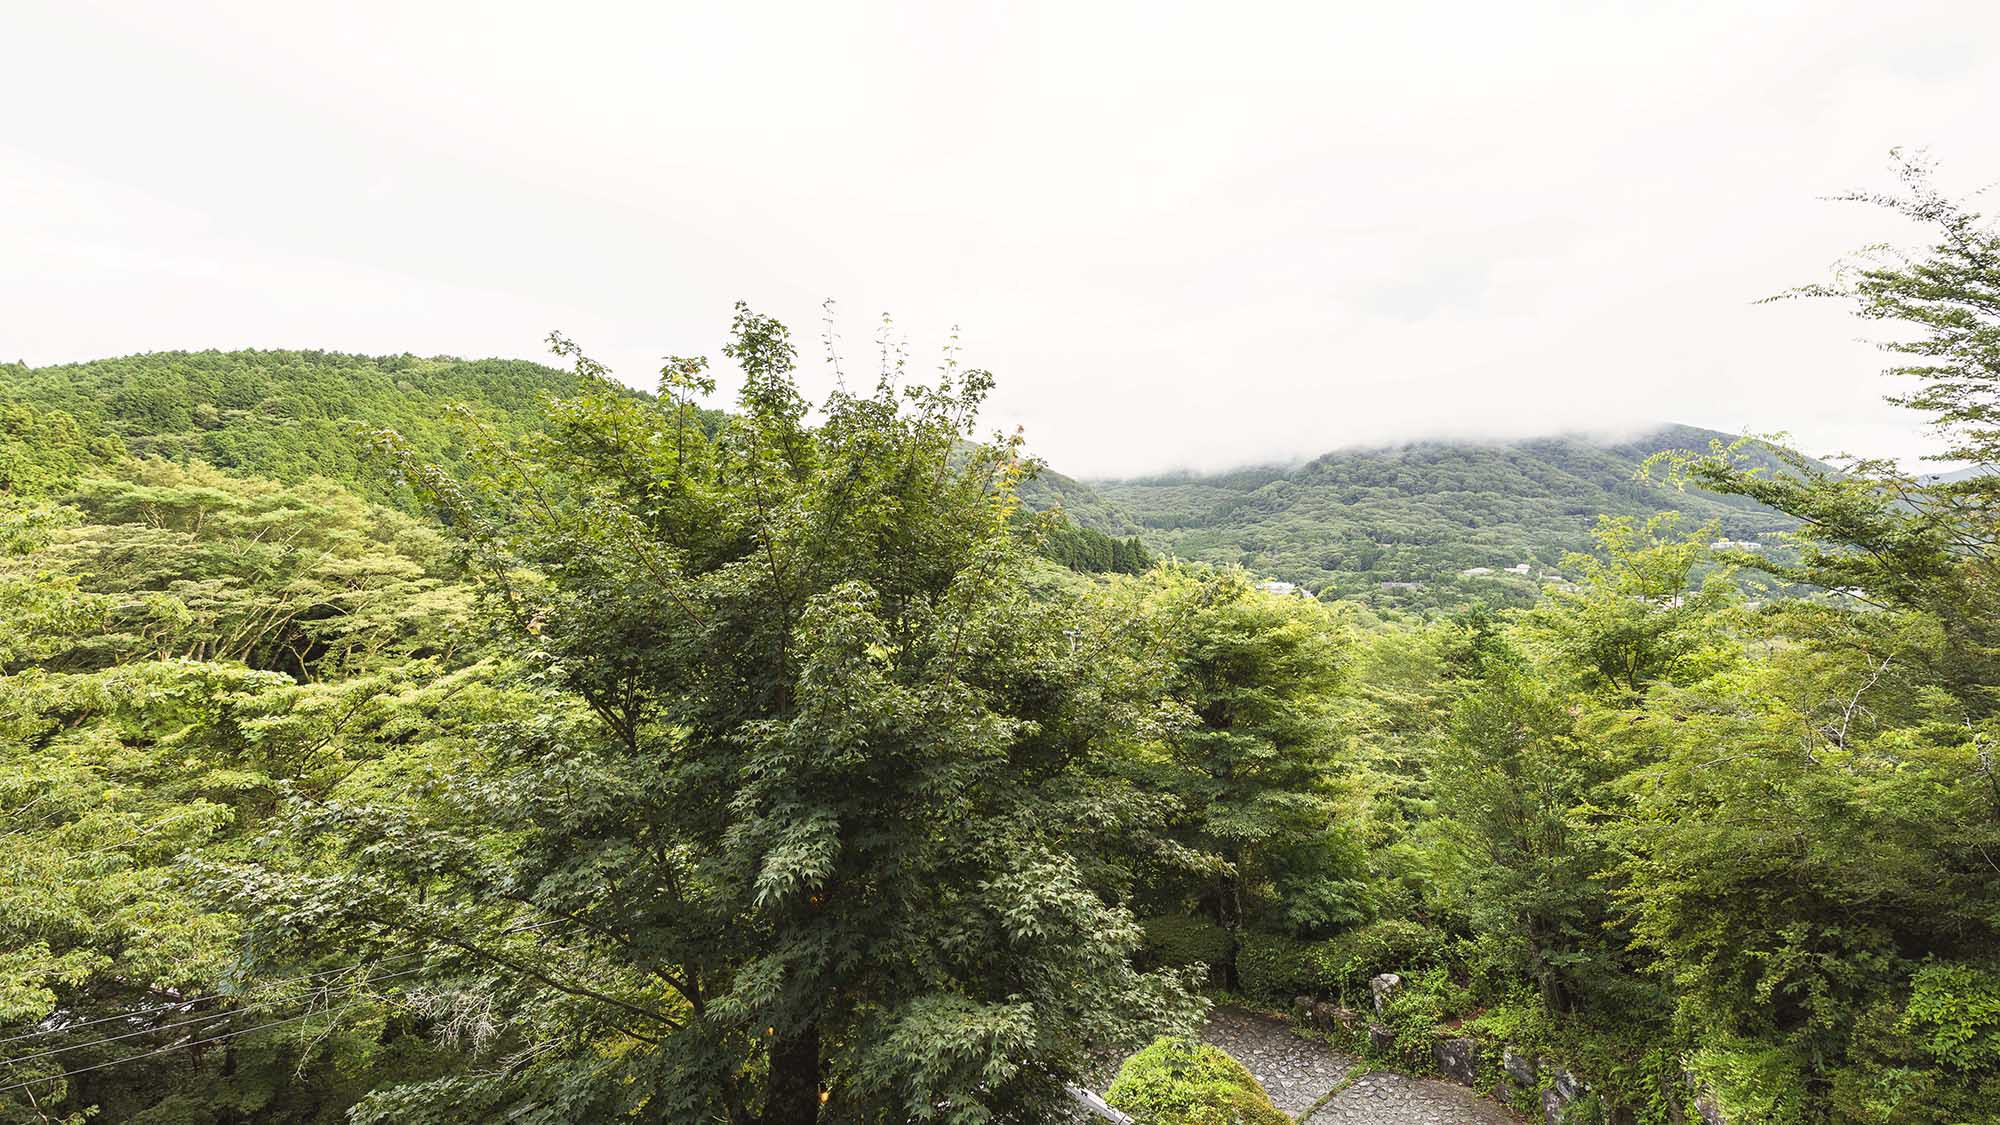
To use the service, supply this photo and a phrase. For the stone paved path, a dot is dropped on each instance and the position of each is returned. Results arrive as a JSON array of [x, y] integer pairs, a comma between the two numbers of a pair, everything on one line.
[[1298, 1073], [1295, 1072], [1387, 1098]]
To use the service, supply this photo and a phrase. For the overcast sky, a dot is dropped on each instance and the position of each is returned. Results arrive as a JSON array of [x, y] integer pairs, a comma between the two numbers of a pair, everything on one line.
[[1181, 235]]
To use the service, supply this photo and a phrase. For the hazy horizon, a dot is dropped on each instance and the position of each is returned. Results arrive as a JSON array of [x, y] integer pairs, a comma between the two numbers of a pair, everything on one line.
[[1180, 241]]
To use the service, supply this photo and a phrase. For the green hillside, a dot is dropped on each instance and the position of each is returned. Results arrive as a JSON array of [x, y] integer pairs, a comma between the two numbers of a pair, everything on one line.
[[1353, 520], [1085, 506], [289, 415]]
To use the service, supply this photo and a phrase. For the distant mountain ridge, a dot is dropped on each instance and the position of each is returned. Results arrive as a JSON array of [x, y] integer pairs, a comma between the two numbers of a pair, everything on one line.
[[1402, 523], [1397, 524]]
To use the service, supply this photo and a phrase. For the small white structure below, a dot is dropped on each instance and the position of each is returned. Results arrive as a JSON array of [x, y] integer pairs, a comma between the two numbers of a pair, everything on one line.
[[1096, 1107], [1283, 589], [1735, 545], [1520, 568], [1476, 571]]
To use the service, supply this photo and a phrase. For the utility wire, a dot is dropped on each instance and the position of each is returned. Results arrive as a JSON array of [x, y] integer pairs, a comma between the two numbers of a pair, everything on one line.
[[210, 1017], [238, 1033], [172, 1047], [136, 1013]]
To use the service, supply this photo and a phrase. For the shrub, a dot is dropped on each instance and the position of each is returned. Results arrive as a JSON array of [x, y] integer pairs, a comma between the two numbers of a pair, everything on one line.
[[1954, 1014], [1274, 966], [1379, 947], [1178, 939], [1425, 1003], [1177, 1081], [1752, 1081]]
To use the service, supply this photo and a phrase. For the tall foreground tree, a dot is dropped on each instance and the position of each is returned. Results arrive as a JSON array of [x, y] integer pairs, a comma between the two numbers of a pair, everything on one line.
[[814, 825], [1813, 856], [1243, 745]]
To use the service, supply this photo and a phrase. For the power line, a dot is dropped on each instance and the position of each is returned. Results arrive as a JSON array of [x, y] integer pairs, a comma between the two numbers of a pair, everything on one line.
[[210, 1017], [66, 1028], [173, 1047], [238, 1033], [136, 1013]]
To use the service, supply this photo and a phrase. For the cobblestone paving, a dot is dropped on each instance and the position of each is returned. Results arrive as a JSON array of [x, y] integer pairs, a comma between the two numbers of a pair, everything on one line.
[[1387, 1098], [1295, 1072], [1298, 1073]]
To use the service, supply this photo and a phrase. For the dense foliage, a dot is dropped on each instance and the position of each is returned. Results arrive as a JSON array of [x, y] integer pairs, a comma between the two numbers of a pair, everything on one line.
[[645, 763]]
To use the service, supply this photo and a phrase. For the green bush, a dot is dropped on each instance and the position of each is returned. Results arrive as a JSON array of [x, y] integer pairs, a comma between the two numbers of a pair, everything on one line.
[[1276, 967], [1180, 1082], [1954, 1014], [1391, 946], [1753, 1081], [1425, 1003], [1178, 939]]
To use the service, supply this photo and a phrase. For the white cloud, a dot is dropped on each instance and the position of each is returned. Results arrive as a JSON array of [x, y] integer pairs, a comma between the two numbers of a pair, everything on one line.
[[1181, 235]]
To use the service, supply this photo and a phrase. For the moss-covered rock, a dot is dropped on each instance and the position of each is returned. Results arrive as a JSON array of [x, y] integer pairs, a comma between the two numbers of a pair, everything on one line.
[[1178, 1081]]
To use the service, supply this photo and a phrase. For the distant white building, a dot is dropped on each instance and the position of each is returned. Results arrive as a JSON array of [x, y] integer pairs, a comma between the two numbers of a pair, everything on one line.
[[1520, 568], [1476, 571], [1735, 545], [1283, 589]]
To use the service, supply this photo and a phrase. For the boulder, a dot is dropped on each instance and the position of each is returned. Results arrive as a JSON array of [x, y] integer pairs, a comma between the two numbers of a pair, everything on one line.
[[1384, 987], [1518, 1066], [1327, 1017], [1709, 1109], [1458, 1059], [1564, 1090], [1381, 1037]]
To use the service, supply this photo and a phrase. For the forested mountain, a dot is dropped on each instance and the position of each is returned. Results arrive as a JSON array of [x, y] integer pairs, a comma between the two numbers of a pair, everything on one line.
[[1344, 524], [290, 415], [1085, 505], [1352, 520]]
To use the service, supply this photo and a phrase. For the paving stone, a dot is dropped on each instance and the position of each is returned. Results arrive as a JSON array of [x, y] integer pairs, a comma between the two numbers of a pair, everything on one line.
[[1387, 1098], [1295, 1072], [1298, 1072]]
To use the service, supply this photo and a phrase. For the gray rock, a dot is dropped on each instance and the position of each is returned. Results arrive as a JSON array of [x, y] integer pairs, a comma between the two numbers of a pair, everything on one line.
[[1518, 1066], [1709, 1109], [1565, 1089], [1381, 1036], [1384, 987], [1459, 1060]]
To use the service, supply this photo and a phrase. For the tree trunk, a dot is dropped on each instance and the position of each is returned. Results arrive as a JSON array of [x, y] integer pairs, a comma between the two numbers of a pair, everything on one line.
[[791, 1096], [1229, 915]]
